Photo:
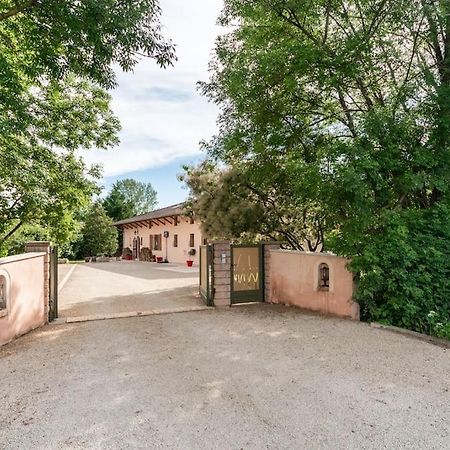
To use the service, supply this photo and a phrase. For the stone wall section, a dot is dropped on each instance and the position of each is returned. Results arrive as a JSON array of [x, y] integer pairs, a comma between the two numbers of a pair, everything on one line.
[[43, 247], [267, 248], [23, 287], [221, 273]]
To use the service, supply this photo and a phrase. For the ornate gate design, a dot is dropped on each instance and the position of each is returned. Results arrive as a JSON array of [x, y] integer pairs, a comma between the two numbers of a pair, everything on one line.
[[247, 283]]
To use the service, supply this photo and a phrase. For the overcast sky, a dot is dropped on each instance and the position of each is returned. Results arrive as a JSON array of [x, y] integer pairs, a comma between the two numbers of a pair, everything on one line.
[[163, 116]]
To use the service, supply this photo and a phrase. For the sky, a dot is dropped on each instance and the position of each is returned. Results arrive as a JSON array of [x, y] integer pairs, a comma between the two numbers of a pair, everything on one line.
[[162, 114]]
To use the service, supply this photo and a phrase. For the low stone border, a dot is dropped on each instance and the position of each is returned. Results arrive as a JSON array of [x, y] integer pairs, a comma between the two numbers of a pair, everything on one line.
[[444, 343], [153, 312]]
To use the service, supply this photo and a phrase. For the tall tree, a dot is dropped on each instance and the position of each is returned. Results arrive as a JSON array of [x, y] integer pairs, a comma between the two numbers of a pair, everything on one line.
[[351, 100], [56, 60], [129, 198], [231, 204], [99, 237]]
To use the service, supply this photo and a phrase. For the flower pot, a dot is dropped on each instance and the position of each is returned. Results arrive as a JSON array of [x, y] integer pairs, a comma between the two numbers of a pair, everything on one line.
[[189, 263], [159, 259]]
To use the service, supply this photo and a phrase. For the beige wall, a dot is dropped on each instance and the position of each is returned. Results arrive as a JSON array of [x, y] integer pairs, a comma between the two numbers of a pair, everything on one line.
[[26, 297], [294, 280], [174, 254]]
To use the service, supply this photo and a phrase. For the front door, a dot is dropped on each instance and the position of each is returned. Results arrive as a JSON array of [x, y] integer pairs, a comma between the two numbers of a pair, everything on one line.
[[247, 284], [136, 247]]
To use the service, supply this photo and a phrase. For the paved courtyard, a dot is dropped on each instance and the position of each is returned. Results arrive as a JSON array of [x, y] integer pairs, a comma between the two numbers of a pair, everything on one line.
[[127, 286], [250, 377]]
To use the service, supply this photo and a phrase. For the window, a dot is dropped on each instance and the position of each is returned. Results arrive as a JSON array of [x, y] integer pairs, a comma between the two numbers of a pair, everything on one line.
[[175, 240], [156, 242], [205, 241], [324, 277], [192, 240], [142, 240]]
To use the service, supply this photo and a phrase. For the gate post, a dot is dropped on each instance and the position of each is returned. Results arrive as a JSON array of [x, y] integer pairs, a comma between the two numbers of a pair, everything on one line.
[[221, 288], [267, 247], [43, 247]]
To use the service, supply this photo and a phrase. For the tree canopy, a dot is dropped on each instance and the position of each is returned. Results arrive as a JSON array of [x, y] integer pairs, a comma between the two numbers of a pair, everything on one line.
[[99, 237], [129, 198], [349, 101], [56, 60]]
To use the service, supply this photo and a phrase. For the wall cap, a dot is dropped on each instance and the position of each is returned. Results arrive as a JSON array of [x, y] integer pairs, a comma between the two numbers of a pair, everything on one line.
[[23, 256], [316, 254]]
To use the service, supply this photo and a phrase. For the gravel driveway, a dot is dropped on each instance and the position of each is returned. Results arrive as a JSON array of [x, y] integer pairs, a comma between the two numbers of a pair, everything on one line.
[[127, 286], [251, 377]]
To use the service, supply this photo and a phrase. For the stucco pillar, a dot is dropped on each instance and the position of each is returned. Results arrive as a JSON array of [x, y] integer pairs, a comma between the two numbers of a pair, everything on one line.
[[222, 273], [267, 247], [43, 247]]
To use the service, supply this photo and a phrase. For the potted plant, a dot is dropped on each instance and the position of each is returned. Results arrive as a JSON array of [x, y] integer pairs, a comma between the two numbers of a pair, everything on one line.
[[127, 254], [189, 261]]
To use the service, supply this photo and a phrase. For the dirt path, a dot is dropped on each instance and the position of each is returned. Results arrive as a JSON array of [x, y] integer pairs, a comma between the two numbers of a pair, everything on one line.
[[246, 378]]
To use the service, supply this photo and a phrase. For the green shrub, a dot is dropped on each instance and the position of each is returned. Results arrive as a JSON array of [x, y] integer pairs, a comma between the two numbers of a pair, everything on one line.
[[404, 270]]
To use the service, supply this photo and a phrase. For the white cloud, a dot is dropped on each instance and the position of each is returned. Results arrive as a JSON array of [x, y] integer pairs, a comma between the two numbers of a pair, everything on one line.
[[163, 116]]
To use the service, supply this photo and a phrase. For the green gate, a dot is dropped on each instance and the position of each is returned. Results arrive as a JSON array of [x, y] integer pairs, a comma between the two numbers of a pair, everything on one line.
[[247, 274], [206, 274]]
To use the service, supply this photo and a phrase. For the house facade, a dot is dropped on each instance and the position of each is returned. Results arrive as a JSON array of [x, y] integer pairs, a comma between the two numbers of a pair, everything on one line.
[[168, 233]]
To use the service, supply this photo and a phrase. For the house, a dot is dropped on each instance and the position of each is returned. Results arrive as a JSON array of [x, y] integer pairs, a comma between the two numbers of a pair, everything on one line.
[[169, 233]]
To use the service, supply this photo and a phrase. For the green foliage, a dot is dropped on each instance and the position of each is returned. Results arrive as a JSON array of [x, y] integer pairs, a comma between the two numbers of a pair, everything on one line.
[[56, 60], [66, 244], [116, 205], [342, 112], [404, 275], [129, 198], [99, 237], [248, 205]]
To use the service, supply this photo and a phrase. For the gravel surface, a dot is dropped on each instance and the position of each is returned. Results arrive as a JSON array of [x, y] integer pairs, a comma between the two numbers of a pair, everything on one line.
[[127, 286], [251, 377]]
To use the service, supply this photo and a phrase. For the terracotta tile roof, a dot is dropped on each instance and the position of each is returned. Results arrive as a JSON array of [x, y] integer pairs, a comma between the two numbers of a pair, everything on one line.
[[168, 211]]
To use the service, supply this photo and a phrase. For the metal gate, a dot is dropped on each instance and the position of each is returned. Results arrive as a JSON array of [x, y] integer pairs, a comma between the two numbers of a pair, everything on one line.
[[247, 274], [53, 297], [206, 274]]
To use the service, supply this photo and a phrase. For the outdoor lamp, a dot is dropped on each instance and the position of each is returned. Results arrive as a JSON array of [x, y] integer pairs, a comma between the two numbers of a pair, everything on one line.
[[324, 273]]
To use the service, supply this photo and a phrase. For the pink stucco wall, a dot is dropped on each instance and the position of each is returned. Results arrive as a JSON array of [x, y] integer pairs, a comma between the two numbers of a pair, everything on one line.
[[25, 281], [294, 280], [174, 254]]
